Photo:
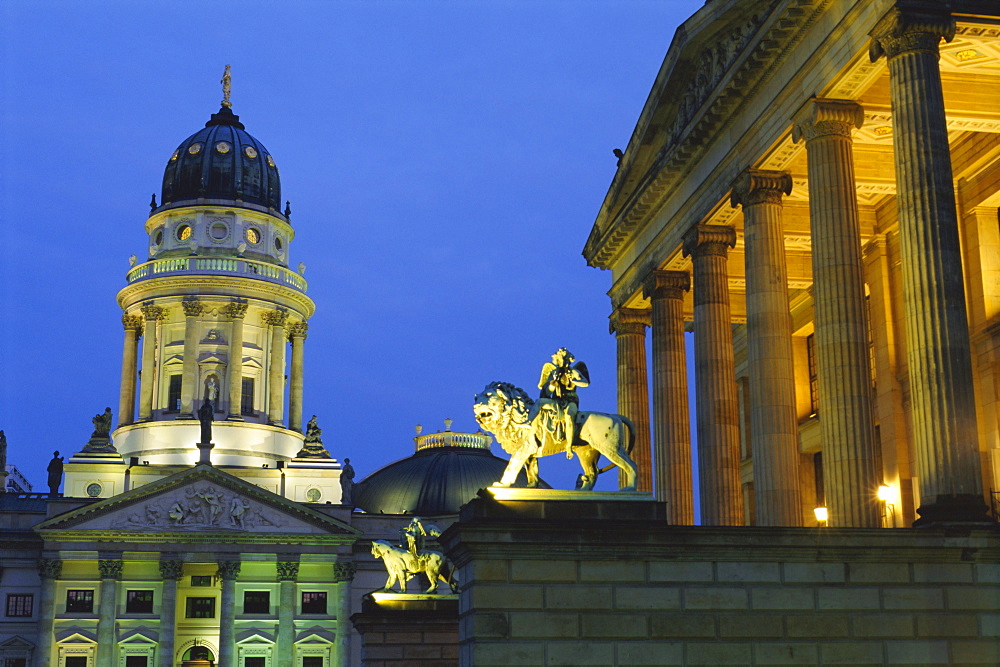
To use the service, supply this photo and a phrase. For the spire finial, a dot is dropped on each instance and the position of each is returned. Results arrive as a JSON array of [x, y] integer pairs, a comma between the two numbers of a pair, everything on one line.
[[227, 85]]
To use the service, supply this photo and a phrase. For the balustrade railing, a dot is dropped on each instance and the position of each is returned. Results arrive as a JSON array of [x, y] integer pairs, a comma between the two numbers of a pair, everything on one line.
[[449, 439], [219, 266]]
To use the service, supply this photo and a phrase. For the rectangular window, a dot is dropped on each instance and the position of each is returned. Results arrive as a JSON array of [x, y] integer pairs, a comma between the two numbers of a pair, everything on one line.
[[15, 662], [174, 393], [136, 661], [76, 661], [253, 662], [20, 604], [139, 602], [201, 580], [314, 603], [80, 601], [312, 661], [256, 602], [813, 375], [201, 608], [246, 397]]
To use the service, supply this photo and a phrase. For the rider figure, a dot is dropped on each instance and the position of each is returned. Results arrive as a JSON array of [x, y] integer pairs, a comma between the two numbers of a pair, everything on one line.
[[558, 383]]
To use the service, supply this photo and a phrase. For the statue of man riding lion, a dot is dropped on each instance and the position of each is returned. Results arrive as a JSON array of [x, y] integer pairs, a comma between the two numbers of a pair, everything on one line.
[[528, 429]]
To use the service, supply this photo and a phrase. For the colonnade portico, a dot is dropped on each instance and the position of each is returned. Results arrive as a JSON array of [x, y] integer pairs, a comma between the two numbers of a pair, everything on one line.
[[843, 408]]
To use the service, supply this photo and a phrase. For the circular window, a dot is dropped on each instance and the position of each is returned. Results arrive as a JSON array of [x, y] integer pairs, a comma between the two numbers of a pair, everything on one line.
[[270, 161], [158, 237], [253, 235], [223, 147], [175, 155], [94, 490], [250, 151], [278, 245], [313, 494], [184, 232], [219, 231], [194, 149]]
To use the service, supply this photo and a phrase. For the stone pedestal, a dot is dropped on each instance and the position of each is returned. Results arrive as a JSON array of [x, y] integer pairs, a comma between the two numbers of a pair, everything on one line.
[[716, 401], [943, 408], [774, 428], [845, 385], [671, 423], [398, 630], [629, 327]]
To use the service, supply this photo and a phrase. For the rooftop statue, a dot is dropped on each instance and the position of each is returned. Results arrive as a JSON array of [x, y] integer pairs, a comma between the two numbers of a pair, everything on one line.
[[527, 429], [313, 447], [55, 470], [405, 563], [100, 439]]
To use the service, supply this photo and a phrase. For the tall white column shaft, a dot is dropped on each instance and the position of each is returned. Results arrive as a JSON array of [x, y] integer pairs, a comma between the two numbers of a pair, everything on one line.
[[629, 327], [192, 310], [846, 412], [774, 429], [288, 572], [276, 371], [107, 611], [49, 570], [130, 358], [170, 572], [236, 310], [229, 570], [151, 314], [297, 336]]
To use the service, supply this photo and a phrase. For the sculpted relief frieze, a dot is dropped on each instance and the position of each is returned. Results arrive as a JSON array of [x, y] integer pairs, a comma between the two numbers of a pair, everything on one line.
[[205, 507]]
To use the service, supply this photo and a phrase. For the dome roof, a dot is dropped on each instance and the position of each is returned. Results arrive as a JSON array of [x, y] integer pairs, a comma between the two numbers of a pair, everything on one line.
[[222, 161], [447, 471]]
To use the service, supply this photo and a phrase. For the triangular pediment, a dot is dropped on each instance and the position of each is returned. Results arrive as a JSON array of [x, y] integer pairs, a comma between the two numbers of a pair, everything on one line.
[[204, 504], [16, 642], [140, 635]]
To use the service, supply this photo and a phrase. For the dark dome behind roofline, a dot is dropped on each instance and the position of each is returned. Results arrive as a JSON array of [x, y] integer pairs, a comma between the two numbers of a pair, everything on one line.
[[438, 479], [222, 161]]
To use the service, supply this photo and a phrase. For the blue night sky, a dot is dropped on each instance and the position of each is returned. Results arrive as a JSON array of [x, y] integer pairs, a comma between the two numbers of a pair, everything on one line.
[[444, 161]]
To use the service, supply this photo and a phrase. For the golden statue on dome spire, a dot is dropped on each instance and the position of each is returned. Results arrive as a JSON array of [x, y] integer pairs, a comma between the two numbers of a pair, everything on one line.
[[227, 85]]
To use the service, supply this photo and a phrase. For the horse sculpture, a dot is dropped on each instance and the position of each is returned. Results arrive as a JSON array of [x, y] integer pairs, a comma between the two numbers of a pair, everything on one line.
[[519, 425], [403, 566]]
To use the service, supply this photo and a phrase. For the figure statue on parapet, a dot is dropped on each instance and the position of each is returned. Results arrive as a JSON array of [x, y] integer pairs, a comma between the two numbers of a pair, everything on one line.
[[100, 439], [527, 429], [558, 401], [404, 563], [55, 470], [312, 447]]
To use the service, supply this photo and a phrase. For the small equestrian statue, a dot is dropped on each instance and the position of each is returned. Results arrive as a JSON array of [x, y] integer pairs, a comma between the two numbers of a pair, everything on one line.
[[405, 563]]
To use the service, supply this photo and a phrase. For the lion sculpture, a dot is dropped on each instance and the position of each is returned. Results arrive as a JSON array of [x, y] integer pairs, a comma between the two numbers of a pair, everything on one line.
[[518, 423], [403, 566]]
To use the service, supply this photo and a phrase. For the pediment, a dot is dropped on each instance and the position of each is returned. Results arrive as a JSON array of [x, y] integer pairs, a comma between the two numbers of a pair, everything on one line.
[[76, 635], [204, 504], [16, 642], [254, 637], [316, 635], [141, 635]]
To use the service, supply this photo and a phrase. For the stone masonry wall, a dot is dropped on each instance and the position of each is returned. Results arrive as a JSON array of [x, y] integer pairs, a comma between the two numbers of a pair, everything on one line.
[[540, 588]]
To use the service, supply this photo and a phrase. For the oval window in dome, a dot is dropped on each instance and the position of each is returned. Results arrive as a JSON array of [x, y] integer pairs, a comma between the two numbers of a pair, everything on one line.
[[253, 235], [223, 147], [194, 149], [158, 237], [175, 155], [219, 231], [278, 245], [250, 151], [184, 232], [270, 161], [313, 495]]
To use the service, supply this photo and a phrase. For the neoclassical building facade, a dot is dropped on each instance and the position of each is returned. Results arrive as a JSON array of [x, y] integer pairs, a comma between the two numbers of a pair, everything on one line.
[[812, 189]]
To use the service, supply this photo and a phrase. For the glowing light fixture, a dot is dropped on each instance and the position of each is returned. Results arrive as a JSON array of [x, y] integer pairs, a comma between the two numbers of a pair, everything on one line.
[[821, 514], [884, 493], [966, 55]]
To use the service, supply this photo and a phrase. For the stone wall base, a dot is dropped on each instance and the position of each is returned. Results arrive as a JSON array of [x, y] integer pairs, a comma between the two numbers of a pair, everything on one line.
[[402, 630]]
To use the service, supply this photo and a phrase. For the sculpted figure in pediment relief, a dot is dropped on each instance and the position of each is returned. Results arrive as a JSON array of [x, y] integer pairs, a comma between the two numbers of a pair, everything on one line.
[[205, 507]]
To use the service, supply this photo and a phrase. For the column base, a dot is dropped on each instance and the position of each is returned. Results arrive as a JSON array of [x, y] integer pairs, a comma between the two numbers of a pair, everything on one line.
[[961, 508], [186, 415], [235, 418]]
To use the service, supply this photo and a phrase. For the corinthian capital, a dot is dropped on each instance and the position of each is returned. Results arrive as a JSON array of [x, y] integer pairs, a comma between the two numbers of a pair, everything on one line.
[[912, 26], [344, 571], [703, 240], [132, 323], [666, 285], [297, 330], [50, 568], [275, 317], [229, 570], [629, 321], [152, 313], [111, 568], [760, 186], [171, 569], [236, 310], [288, 570], [822, 117], [192, 307]]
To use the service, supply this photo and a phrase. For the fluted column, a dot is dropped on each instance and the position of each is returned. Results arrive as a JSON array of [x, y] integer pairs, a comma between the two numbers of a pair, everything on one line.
[[229, 570], [276, 370], [842, 356], [49, 569], [170, 572], [629, 327], [130, 359], [107, 611], [192, 310], [288, 573], [236, 311], [774, 437], [151, 314], [937, 334], [671, 423], [343, 574], [716, 402], [297, 336]]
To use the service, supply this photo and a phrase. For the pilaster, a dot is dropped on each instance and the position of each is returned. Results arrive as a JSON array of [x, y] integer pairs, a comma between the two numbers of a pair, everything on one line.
[[945, 433], [773, 424], [629, 327], [170, 572], [107, 611], [716, 400], [49, 570], [228, 572], [845, 385], [288, 573], [671, 423], [343, 574]]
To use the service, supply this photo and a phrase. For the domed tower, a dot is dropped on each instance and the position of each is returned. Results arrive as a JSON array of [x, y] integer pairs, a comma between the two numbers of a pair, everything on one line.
[[215, 306]]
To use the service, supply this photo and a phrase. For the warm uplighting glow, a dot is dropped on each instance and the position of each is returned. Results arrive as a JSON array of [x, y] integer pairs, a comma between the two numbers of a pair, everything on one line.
[[885, 493], [821, 514], [967, 54], [883, 130]]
